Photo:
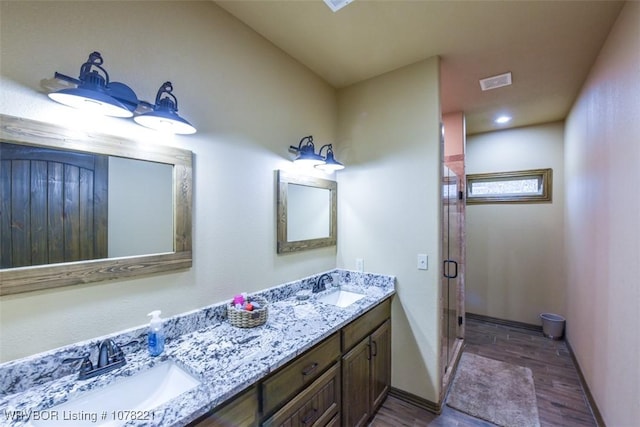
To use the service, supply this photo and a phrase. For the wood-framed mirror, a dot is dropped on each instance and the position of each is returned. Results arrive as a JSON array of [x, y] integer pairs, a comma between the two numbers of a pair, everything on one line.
[[70, 213], [307, 212]]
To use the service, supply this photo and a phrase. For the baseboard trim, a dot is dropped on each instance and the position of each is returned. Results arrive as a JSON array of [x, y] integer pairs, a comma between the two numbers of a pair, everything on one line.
[[418, 401], [585, 388], [512, 323]]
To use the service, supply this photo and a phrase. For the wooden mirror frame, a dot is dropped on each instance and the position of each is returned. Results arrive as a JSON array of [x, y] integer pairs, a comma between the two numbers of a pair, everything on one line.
[[24, 279], [284, 179]]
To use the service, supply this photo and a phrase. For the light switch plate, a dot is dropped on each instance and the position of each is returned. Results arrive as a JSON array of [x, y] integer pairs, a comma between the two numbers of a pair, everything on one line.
[[360, 265]]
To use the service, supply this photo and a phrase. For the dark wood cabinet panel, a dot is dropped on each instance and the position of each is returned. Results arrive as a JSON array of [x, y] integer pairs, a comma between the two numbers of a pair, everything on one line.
[[356, 374], [240, 412], [366, 373], [380, 364], [284, 384], [355, 331], [316, 406]]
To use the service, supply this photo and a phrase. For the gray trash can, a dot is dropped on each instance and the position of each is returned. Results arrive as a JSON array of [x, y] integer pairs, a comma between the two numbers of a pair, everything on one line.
[[552, 325]]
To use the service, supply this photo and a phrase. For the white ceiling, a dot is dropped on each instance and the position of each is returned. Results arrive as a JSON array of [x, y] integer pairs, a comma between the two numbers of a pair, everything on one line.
[[549, 46]]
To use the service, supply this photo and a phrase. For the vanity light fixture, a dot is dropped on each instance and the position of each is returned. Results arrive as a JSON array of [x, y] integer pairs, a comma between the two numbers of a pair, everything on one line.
[[95, 92], [307, 155], [330, 163], [165, 113]]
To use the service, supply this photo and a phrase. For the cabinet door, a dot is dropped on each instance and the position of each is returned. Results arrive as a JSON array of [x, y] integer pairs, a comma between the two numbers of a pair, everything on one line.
[[285, 384], [317, 406], [241, 412], [380, 364], [356, 390]]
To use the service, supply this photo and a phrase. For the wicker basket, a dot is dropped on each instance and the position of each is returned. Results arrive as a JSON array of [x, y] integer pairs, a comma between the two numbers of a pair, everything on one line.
[[248, 319]]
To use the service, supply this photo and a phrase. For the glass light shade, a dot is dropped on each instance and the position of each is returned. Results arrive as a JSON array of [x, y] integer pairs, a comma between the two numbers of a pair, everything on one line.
[[308, 161], [91, 100], [165, 121], [307, 156], [330, 164], [330, 167]]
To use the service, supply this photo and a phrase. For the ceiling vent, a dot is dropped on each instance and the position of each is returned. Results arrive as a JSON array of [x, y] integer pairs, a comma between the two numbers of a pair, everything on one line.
[[495, 82], [336, 5]]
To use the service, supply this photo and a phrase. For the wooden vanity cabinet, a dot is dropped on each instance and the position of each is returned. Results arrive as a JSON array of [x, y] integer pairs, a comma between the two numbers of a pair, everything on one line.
[[242, 411], [366, 368], [340, 382]]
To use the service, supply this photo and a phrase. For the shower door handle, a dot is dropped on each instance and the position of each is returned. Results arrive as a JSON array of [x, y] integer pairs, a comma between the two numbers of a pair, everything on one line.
[[445, 268]]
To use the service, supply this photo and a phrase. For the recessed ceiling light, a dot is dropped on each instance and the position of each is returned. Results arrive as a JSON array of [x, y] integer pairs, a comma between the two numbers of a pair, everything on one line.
[[336, 5], [502, 120]]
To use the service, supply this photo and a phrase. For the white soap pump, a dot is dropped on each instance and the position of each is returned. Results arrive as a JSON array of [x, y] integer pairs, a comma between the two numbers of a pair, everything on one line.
[[156, 334]]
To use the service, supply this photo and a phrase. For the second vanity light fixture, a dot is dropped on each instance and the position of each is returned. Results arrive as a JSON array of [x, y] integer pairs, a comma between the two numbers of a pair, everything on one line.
[[95, 92], [307, 155]]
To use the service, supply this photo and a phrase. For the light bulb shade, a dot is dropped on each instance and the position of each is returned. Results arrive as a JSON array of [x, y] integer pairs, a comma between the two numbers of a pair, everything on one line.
[[306, 153], [164, 116], [330, 164], [95, 93], [165, 121], [91, 100], [307, 156], [304, 161]]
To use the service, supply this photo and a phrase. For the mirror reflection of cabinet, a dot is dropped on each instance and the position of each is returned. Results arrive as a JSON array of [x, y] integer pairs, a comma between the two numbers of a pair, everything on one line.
[[307, 212], [53, 206], [128, 255], [65, 206]]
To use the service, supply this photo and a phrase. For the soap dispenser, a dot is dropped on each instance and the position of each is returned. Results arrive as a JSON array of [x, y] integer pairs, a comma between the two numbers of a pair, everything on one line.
[[156, 334]]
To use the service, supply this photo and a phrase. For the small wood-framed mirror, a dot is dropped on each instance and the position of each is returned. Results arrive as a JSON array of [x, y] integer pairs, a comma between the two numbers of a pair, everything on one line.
[[131, 257], [307, 212]]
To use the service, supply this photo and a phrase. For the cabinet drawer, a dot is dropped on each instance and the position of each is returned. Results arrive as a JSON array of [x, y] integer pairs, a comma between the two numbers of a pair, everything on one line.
[[240, 412], [335, 421], [355, 331], [318, 405], [302, 371]]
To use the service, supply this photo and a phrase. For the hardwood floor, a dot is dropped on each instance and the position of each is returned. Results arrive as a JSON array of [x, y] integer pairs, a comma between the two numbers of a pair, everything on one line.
[[561, 401]]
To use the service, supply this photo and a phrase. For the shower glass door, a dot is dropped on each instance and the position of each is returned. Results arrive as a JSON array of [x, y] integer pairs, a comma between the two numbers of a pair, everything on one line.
[[453, 211]]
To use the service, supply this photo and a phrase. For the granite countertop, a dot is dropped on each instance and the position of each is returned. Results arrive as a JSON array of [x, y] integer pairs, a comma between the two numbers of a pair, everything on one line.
[[225, 358]]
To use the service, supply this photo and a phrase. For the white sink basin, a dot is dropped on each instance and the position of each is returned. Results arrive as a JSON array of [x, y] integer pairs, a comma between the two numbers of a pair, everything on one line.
[[143, 391], [341, 298]]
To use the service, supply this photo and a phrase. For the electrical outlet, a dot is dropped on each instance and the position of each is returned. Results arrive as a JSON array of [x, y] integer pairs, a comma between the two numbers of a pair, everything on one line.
[[360, 265], [423, 262]]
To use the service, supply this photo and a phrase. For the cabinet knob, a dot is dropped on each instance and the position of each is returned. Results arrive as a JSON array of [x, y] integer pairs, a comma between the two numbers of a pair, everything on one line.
[[310, 369], [309, 417]]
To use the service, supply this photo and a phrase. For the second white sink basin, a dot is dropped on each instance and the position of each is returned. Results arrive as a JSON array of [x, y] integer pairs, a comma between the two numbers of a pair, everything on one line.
[[112, 404], [341, 298]]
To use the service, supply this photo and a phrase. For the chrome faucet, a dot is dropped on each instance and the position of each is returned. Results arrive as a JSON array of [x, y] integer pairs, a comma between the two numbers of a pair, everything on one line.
[[110, 357], [320, 284]]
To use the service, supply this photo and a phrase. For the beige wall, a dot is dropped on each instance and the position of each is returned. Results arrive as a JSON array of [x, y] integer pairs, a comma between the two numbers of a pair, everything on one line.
[[389, 207], [515, 258], [603, 224], [249, 102]]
